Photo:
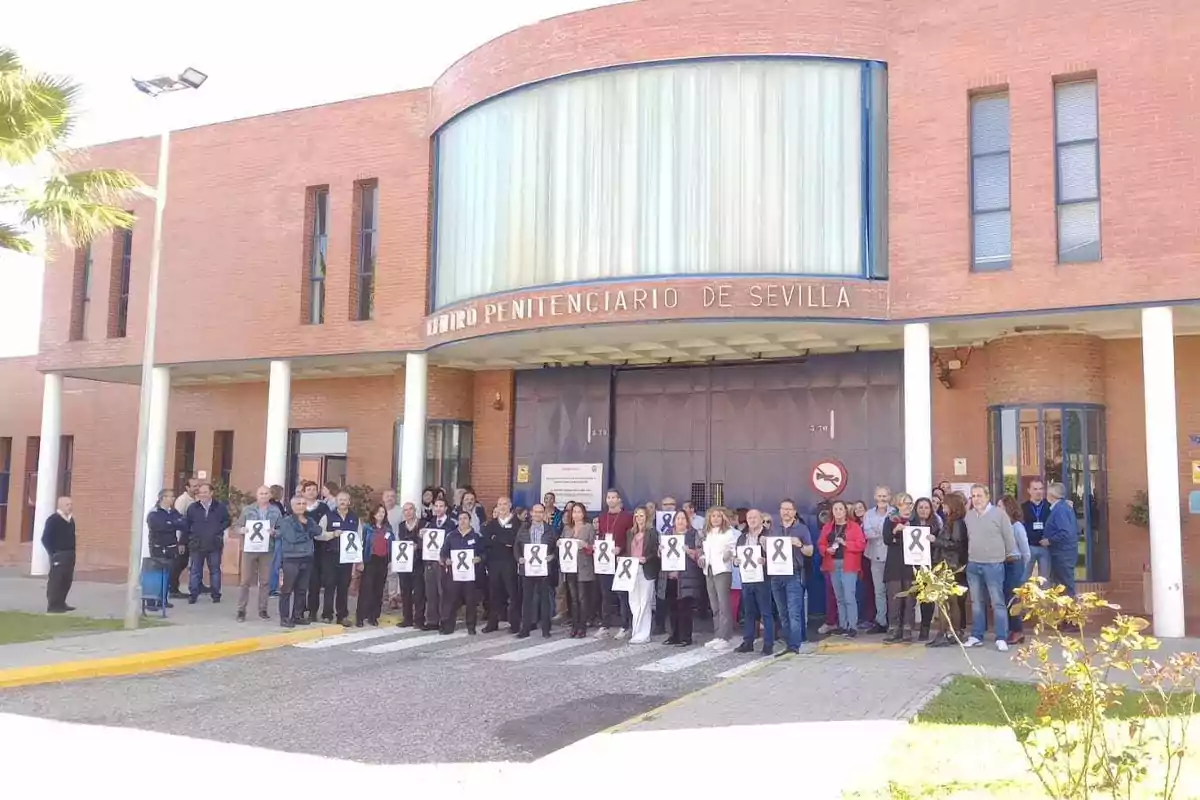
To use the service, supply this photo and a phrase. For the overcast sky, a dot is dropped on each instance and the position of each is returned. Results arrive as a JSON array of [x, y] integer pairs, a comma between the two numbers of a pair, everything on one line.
[[261, 56]]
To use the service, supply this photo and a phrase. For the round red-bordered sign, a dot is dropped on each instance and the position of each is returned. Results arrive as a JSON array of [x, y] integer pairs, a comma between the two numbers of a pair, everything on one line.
[[829, 477]]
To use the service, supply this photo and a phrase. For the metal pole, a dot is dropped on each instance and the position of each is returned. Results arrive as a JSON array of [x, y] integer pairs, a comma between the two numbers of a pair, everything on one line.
[[133, 589]]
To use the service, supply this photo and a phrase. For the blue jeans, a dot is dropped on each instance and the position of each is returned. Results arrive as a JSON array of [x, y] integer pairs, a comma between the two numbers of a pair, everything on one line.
[[788, 592], [991, 577], [1013, 572], [276, 565], [756, 602], [196, 572], [1062, 569], [845, 591], [1041, 557]]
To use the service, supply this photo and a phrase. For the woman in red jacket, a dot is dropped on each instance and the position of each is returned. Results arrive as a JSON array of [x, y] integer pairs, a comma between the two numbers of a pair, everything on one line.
[[842, 544]]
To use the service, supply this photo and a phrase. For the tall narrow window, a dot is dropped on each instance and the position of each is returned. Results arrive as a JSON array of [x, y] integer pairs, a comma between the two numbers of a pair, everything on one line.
[[33, 446], [81, 292], [991, 214], [118, 298], [66, 464], [185, 458], [366, 213], [5, 482], [1077, 170], [222, 463], [312, 304]]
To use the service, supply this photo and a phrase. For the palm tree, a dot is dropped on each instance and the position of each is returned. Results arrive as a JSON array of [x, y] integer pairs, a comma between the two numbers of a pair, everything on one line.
[[37, 113]]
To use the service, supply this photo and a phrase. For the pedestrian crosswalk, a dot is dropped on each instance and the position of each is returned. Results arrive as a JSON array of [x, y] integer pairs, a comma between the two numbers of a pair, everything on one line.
[[503, 648]]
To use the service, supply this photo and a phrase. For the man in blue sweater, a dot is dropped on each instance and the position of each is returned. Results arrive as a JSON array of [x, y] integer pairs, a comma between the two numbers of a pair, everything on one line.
[[1061, 538]]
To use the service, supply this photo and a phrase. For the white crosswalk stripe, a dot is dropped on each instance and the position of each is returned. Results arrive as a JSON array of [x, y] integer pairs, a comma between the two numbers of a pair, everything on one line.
[[413, 643], [688, 658], [607, 656], [350, 638], [742, 669], [478, 647], [542, 649]]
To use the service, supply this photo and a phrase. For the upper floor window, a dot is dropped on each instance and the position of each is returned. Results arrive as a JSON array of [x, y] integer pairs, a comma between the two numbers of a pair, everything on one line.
[[81, 292], [366, 209], [316, 245], [118, 302], [1077, 170], [991, 201]]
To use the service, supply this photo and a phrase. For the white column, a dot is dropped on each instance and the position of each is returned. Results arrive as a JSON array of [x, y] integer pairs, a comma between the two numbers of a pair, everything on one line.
[[156, 444], [918, 411], [46, 499], [1162, 470], [279, 409], [412, 445]]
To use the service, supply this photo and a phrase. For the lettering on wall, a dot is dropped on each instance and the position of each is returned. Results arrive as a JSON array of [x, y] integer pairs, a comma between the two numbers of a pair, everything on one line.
[[794, 296]]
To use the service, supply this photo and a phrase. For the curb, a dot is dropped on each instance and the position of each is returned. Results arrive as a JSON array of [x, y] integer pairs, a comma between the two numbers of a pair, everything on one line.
[[156, 660]]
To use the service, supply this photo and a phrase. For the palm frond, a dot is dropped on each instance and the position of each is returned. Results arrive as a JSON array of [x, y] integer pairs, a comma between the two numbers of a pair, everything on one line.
[[36, 111], [14, 239], [79, 206]]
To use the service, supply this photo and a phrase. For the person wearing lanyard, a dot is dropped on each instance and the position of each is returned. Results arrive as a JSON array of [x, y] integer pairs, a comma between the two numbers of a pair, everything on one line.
[[337, 576], [1035, 513], [788, 590], [377, 547], [614, 606]]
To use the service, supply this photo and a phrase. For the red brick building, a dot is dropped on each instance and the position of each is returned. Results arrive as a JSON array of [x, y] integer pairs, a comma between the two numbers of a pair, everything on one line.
[[702, 245]]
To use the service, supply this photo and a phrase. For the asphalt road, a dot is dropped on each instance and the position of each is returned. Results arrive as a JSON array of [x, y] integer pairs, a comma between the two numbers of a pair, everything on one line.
[[403, 697]]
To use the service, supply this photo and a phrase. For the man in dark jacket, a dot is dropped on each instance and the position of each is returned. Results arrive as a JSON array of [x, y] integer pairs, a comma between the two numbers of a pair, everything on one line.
[[536, 595], [295, 545], [336, 575], [1061, 538], [58, 537], [207, 519], [499, 538], [167, 535], [461, 592]]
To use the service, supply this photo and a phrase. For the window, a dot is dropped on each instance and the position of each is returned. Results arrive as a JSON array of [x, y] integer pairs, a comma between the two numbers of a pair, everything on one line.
[[317, 241], [5, 482], [66, 464], [222, 460], [185, 458], [33, 446], [448, 447], [317, 455], [80, 293], [1077, 170], [366, 212], [118, 299], [991, 205], [1063, 443]]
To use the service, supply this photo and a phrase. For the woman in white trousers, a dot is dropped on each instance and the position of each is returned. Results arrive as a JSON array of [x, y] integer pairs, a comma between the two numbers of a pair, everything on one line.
[[643, 546]]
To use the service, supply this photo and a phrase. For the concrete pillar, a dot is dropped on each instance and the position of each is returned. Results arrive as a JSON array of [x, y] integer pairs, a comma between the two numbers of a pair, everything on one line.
[[412, 445], [46, 499], [156, 444], [918, 411], [1162, 470], [279, 408]]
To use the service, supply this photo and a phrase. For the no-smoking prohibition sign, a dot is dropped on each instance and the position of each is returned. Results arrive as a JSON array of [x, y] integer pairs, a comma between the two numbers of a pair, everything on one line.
[[829, 477]]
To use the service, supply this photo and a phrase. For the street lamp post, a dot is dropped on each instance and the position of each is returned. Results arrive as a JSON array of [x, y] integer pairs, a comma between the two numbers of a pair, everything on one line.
[[188, 79]]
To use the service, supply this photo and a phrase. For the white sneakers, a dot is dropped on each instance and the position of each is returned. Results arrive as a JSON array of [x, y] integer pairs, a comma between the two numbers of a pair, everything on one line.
[[601, 633], [621, 634], [1002, 645], [826, 628], [973, 642], [719, 645]]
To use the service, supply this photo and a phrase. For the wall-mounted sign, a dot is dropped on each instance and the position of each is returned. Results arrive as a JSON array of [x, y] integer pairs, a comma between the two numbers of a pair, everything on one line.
[[580, 483], [960, 466], [522, 473], [829, 478], [1196, 473]]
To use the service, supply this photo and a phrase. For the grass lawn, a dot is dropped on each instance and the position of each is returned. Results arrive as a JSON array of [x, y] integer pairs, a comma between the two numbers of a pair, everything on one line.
[[17, 626], [958, 747]]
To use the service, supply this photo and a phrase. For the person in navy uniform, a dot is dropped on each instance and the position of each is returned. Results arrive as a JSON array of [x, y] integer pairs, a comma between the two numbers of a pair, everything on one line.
[[167, 533], [336, 574], [458, 593], [434, 573], [499, 539], [537, 592]]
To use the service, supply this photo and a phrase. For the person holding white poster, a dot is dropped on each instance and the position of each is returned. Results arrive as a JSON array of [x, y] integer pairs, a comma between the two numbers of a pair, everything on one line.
[[500, 541], [578, 536], [347, 551], [412, 581], [259, 524], [842, 544], [716, 544], [896, 573], [674, 552], [462, 552], [536, 592], [440, 525], [377, 536], [756, 593], [643, 550], [678, 590]]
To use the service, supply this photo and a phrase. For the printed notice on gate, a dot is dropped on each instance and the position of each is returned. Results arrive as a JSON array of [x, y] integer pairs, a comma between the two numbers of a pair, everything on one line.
[[402, 555], [258, 537], [431, 543], [536, 565], [916, 546], [779, 555], [578, 483]]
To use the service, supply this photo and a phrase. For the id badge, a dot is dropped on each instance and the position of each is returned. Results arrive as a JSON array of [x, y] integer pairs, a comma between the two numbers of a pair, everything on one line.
[[1037, 526]]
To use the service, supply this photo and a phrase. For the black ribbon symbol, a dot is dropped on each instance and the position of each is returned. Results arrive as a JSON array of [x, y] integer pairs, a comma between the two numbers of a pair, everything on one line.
[[778, 554], [748, 556], [462, 560], [673, 547], [256, 532], [402, 551], [432, 539], [603, 551], [351, 541], [914, 536], [625, 567], [666, 524], [535, 554], [568, 550]]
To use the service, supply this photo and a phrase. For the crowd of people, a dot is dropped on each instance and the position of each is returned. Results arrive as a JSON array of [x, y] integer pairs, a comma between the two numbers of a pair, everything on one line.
[[852, 552]]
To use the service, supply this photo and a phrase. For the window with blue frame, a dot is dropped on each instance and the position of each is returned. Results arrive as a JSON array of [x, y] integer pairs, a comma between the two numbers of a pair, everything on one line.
[[1057, 442]]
